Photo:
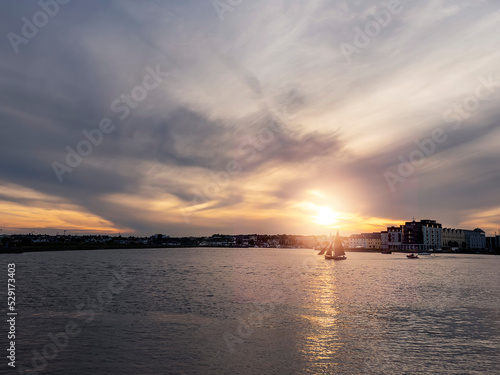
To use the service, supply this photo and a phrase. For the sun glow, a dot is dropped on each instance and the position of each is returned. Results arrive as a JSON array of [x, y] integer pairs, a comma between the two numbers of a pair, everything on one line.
[[325, 216]]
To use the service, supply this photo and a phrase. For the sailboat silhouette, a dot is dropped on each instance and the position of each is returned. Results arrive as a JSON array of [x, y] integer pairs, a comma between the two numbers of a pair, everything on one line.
[[338, 249]]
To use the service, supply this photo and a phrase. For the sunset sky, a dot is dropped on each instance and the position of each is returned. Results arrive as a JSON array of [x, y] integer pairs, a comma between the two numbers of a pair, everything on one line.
[[286, 116]]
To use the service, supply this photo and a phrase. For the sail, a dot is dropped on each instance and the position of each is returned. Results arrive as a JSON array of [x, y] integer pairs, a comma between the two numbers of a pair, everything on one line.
[[329, 252], [338, 249], [323, 250]]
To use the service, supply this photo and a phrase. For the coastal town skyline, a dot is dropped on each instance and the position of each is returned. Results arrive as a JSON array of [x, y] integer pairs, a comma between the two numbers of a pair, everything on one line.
[[423, 235], [193, 119]]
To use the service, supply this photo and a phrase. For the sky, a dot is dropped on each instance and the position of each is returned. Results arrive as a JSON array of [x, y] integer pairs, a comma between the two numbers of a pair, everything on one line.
[[237, 116]]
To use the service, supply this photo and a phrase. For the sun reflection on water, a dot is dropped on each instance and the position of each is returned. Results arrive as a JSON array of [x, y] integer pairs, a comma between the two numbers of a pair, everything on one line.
[[322, 341]]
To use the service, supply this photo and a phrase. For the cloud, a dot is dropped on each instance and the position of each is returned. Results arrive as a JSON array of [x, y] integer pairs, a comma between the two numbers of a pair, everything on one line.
[[268, 88]]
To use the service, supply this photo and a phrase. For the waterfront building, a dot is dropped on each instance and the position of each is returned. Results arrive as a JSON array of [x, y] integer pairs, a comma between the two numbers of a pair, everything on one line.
[[373, 240], [475, 239], [384, 238], [431, 234], [365, 241], [357, 241], [490, 243], [453, 238], [412, 236], [493, 243], [395, 237], [421, 235]]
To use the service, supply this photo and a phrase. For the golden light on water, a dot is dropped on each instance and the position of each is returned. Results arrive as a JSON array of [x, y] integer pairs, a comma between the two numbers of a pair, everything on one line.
[[322, 341]]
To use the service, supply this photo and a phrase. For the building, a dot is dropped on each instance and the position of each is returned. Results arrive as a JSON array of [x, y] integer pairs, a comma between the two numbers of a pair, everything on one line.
[[412, 236], [384, 238], [475, 239], [357, 241], [453, 238], [373, 240], [395, 237], [365, 241], [421, 235], [493, 243], [431, 234]]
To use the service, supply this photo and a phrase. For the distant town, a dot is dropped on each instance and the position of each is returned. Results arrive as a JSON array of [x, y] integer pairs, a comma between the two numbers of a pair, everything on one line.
[[413, 236], [425, 235]]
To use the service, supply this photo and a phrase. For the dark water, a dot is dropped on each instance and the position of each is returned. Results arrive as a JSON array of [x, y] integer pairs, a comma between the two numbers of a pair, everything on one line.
[[254, 311]]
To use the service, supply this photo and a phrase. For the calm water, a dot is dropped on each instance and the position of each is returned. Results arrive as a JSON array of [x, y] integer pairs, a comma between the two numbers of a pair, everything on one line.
[[255, 311]]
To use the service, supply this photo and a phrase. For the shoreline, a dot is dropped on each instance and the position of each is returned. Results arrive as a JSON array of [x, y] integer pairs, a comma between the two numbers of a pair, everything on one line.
[[34, 249]]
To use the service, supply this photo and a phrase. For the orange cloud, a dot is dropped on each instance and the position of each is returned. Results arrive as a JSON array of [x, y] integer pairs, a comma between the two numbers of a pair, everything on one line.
[[23, 209]]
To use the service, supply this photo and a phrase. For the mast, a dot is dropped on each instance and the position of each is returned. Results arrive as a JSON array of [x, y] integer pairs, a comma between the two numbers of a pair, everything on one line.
[[338, 249]]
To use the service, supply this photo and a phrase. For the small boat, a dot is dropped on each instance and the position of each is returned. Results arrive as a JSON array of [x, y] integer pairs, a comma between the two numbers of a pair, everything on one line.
[[412, 256], [338, 250], [386, 252], [425, 253]]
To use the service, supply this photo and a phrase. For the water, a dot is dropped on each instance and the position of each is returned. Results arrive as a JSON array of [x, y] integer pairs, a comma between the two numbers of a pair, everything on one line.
[[254, 311]]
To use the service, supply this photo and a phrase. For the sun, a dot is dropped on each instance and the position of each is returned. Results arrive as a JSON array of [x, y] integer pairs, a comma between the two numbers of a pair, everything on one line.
[[325, 216]]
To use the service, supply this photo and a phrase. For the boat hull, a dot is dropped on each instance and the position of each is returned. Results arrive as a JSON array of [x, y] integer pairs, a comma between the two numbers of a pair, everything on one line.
[[335, 257]]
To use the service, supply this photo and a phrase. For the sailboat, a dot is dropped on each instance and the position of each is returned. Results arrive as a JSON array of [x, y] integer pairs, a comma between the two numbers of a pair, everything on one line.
[[338, 249], [323, 249]]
